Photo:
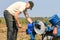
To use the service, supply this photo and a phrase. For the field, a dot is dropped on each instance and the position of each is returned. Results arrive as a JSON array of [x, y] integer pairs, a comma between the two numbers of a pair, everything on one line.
[[21, 32]]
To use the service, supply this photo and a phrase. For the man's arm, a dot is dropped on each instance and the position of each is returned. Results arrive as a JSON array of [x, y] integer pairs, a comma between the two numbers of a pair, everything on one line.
[[16, 18], [27, 16]]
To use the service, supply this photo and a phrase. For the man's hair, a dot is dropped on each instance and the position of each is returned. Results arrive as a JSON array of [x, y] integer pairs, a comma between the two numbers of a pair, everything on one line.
[[31, 4]]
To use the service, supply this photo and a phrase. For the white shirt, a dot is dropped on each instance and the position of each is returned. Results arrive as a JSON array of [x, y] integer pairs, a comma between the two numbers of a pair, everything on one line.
[[16, 6]]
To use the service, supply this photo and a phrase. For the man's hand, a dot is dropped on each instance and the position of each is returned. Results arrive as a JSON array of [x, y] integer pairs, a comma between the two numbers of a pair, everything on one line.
[[19, 26]]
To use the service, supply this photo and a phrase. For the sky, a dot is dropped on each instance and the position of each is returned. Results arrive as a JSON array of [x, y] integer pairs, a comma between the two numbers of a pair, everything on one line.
[[42, 8]]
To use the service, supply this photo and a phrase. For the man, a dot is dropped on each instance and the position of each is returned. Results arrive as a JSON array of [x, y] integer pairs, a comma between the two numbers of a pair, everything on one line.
[[11, 16]]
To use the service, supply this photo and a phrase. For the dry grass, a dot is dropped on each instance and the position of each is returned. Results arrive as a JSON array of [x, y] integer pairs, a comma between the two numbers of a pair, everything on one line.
[[21, 33]]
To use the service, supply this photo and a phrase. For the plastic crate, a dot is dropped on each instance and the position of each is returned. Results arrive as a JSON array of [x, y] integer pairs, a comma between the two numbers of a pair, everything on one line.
[[54, 19]]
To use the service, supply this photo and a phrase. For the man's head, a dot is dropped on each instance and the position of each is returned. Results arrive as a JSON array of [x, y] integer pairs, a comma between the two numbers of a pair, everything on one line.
[[30, 5]]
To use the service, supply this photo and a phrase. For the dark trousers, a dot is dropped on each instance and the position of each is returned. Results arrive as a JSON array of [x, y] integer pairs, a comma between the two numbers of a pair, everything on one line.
[[11, 26]]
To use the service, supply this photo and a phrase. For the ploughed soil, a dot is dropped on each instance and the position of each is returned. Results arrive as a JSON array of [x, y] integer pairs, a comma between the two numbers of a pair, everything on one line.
[[21, 33]]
